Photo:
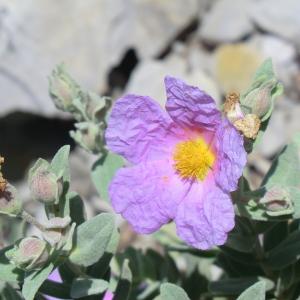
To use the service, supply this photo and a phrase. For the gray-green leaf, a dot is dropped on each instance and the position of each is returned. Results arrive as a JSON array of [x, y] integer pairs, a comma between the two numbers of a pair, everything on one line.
[[92, 239], [169, 291], [83, 287], [256, 291], [34, 280], [9, 272], [103, 171]]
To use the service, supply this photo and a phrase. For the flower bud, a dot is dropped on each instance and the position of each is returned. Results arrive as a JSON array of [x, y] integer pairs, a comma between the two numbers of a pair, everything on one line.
[[259, 100], [96, 107], [9, 201], [44, 186], [89, 136], [31, 253], [277, 202], [63, 89]]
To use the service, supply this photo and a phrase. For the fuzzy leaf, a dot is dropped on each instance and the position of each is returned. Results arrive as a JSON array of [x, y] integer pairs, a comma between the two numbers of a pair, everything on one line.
[[103, 171], [256, 291], [169, 291], [286, 253], [60, 163], [8, 272], [34, 280], [235, 286], [83, 287], [92, 238], [284, 172]]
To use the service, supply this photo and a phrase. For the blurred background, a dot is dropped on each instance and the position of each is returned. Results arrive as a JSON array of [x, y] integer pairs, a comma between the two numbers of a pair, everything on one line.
[[118, 46]]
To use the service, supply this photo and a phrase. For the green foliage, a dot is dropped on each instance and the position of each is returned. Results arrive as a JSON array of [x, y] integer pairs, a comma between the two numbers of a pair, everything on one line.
[[169, 291], [256, 291], [34, 279], [83, 287], [284, 175], [92, 239], [9, 272], [103, 171]]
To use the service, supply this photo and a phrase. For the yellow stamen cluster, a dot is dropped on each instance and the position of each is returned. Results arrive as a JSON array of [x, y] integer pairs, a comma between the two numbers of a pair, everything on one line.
[[193, 159]]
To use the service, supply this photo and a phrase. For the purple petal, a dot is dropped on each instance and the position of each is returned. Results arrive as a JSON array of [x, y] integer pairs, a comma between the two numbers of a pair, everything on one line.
[[139, 129], [231, 155], [108, 296], [189, 106], [54, 276], [147, 195], [205, 217]]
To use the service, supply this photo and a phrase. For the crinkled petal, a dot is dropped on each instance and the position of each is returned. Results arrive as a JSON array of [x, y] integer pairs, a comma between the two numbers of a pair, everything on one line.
[[139, 129], [231, 156], [147, 195], [189, 106], [205, 217]]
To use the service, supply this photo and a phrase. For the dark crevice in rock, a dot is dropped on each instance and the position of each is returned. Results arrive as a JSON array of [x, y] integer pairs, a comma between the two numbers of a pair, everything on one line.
[[25, 137], [119, 75], [182, 36]]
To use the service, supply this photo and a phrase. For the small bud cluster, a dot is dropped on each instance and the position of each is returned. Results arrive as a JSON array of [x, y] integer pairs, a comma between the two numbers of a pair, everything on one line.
[[89, 109], [254, 107]]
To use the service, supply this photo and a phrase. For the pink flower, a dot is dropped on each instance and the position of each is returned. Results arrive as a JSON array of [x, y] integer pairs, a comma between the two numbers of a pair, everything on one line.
[[186, 161]]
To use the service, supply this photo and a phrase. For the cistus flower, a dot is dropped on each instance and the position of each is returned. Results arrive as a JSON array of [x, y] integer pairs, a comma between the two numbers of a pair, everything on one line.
[[186, 161]]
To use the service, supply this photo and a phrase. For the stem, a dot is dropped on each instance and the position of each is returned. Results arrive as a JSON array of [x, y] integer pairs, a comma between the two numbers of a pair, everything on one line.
[[31, 220]]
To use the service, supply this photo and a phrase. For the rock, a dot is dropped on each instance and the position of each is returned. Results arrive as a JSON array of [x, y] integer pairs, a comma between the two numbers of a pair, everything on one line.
[[235, 65], [149, 26], [280, 17], [89, 36], [284, 55], [283, 125], [227, 21], [148, 78]]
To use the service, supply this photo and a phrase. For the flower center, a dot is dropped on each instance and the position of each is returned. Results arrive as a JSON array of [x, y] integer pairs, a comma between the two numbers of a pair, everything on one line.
[[193, 159]]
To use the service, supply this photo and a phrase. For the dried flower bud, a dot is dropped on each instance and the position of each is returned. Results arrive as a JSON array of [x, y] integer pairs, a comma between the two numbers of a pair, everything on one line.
[[9, 201], [44, 186], [232, 107], [89, 136], [63, 89], [31, 253], [277, 201], [249, 126], [259, 100]]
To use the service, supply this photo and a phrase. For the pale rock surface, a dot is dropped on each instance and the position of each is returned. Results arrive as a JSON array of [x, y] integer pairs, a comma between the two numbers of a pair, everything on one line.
[[90, 36], [284, 55], [227, 21], [280, 17], [148, 79], [283, 125]]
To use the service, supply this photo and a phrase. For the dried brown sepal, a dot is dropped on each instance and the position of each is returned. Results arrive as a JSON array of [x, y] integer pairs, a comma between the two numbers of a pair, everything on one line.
[[249, 126], [3, 181], [231, 100]]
